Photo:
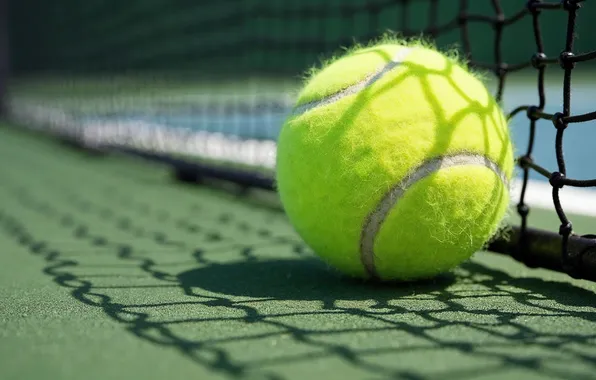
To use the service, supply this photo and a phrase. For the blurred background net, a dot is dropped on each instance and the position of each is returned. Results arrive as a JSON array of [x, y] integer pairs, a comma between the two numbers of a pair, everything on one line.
[[212, 82]]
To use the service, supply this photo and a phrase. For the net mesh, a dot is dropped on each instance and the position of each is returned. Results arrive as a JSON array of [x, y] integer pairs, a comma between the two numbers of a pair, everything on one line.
[[212, 84]]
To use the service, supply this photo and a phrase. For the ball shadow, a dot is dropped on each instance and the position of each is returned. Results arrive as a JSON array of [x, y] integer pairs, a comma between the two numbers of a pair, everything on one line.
[[298, 279]]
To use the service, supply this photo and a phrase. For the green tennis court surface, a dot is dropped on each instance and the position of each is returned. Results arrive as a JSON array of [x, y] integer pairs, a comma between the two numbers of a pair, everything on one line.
[[109, 269]]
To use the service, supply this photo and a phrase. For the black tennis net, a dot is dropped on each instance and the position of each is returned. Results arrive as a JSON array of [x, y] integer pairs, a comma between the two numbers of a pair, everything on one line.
[[205, 87]]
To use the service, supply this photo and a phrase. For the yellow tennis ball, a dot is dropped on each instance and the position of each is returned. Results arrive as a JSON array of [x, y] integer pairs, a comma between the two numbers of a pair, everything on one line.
[[395, 162]]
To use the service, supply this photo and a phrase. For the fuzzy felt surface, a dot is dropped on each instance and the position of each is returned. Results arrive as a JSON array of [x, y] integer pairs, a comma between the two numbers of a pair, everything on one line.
[[336, 161]]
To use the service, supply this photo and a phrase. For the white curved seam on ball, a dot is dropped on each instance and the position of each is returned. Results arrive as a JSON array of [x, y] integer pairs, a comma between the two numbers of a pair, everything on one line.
[[357, 87], [375, 219]]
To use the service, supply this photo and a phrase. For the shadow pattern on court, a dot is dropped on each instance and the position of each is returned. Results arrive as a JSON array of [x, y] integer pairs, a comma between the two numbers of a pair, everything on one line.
[[229, 285]]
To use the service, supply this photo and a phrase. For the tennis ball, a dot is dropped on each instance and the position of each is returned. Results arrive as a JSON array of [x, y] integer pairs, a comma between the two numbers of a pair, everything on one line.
[[395, 162]]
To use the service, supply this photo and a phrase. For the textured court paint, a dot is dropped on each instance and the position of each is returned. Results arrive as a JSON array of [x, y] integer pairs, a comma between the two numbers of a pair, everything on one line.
[[377, 217], [336, 162], [82, 310]]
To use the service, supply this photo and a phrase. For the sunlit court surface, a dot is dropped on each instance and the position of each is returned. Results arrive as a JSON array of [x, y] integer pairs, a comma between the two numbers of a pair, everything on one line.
[[141, 234]]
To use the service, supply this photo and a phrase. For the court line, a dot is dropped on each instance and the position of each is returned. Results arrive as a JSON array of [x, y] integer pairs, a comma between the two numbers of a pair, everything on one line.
[[576, 201], [573, 200]]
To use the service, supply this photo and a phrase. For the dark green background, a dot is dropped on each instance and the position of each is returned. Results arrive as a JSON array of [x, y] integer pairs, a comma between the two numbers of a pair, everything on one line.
[[251, 35]]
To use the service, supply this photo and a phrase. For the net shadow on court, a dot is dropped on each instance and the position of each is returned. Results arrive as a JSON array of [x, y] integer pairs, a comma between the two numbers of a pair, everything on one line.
[[223, 291]]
